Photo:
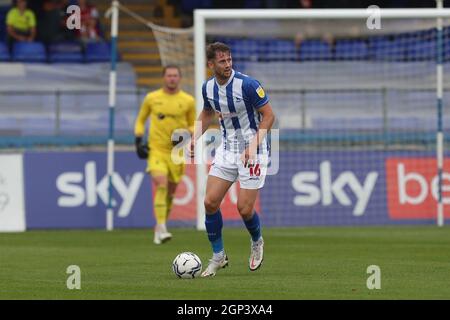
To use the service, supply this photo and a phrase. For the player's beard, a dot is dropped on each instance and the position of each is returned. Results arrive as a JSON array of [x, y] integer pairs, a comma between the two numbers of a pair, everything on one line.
[[225, 75], [172, 86]]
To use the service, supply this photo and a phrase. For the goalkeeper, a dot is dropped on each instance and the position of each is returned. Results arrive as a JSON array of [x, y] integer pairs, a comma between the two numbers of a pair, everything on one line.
[[169, 109]]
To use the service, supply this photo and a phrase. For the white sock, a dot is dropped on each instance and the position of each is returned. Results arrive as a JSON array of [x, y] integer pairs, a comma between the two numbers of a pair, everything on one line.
[[161, 228], [218, 256]]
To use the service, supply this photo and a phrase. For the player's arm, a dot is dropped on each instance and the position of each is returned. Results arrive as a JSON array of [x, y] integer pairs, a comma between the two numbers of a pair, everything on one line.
[[268, 118], [139, 129], [261, 104], [32, 22], [204, 120]]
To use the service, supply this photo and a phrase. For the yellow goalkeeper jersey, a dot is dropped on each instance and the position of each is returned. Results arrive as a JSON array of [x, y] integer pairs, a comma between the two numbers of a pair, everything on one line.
[[167, 113]]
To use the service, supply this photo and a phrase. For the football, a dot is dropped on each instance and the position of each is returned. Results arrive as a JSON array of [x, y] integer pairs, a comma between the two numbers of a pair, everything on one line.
[[187, 265]]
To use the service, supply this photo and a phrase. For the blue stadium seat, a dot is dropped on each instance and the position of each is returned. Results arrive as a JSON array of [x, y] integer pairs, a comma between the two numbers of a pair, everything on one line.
[[315, 50], [385, 49], [245, 49], [421, 50], [98, 52], [280, 50], [29, 52], [66, 52], [4, 53], [351, 50], [446, 35]]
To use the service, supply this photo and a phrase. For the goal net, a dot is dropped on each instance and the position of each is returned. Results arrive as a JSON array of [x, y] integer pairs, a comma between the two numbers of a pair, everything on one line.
[[356, 106]]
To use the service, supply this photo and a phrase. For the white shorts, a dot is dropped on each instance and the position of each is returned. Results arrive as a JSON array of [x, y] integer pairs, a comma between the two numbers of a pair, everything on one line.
[[228, 166]]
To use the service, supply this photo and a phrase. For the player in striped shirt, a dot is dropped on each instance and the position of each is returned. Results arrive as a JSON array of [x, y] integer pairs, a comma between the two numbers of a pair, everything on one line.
[[245, 116]]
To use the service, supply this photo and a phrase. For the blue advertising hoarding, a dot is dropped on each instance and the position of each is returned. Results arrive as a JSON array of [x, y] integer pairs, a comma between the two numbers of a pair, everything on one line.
[[70, 190]]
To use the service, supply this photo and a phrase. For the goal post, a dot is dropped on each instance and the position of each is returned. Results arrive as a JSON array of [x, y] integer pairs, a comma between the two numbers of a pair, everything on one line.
[[112, 106]]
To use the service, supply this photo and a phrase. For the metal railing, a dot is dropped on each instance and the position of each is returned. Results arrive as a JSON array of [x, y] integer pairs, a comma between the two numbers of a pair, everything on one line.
[[53, 108]]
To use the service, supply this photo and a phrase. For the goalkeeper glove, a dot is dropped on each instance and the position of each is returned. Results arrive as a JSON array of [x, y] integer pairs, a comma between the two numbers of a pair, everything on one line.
[[141, 148]]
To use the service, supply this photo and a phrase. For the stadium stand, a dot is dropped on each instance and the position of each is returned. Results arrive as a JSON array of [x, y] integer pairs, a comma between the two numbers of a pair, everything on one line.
[[136, 42], [66, 52], [384, 48], [4, 53], [88, 68], [281, 50], [29, 52], [351, 49], [423, 50], [98, 52], [69, 101]]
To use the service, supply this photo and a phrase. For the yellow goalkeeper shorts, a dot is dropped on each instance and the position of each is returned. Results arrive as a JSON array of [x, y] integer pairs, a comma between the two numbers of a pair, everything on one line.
[[160, 163]]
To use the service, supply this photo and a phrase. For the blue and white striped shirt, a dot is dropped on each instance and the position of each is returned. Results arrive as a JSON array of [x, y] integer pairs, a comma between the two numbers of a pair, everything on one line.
[[236, 103]]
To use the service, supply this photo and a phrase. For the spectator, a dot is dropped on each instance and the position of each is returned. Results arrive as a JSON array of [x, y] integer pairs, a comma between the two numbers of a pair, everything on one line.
[[51, 22], [21, 23], [306, 4], [89, 22]]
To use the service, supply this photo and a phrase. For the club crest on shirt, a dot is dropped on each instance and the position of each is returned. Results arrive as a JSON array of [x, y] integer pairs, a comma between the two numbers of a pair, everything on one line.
[[260, 92]]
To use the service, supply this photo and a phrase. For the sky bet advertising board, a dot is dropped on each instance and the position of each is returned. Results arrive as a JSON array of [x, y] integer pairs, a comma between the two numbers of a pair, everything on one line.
[[70, 190]]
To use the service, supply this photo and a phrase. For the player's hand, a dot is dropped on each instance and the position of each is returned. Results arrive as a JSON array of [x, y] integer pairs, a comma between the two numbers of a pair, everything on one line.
[[248, 157], [141, 148]]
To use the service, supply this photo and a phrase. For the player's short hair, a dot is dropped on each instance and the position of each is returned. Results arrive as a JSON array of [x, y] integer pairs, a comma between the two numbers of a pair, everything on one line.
[[171, 66], [215, 47]]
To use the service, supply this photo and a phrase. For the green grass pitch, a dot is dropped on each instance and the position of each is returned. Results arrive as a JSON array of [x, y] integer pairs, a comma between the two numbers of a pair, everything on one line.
[[300, 263]]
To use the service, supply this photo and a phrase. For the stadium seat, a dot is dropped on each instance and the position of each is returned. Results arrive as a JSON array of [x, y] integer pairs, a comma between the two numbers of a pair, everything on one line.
[[385, 49], [421, 50], [280, 50], [29, 52], [98, 52], [315, 50], [4, 53], [245, 49], [66, 52], [351, 50]]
